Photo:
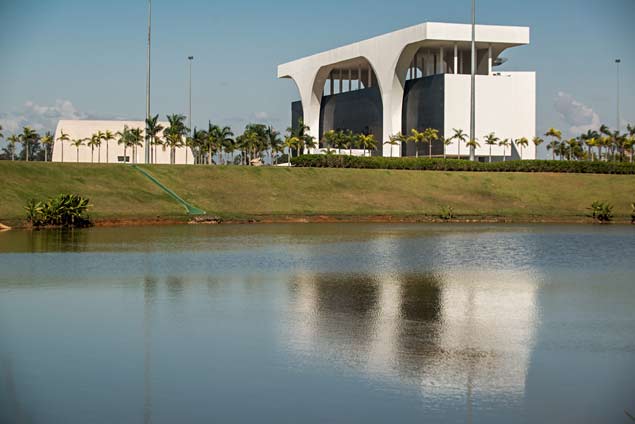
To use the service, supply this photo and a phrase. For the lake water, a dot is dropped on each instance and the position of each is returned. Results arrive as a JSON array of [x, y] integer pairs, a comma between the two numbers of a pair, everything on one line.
[[342, 323]]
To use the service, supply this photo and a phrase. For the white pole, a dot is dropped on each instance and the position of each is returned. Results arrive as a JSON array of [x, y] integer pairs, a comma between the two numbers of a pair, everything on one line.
[[489, 60], [473, 85], [619, 123], [332, 84], [456, 58], [147, 143]]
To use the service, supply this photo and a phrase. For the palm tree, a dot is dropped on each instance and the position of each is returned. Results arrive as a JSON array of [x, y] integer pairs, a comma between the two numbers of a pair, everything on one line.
[[125, 140], [153, 128], [504, 143], [47, 141], [553, 145], [273, 141], [446, 142], [473, 144], [460, 137], [175, 134], [27, 137], [291, 142], [100, 138], [77, 143], [431, 135], [573, 145], [107, 136], [12, 139], [537, 141], [591, 143], [221, 138], [136, 140], [522, 142], [491, 140], [300, 131], [349, 141], [417, 137], [631, 133], [395, 140], [200, 143], [367, 142], [94, 141], [62, 138], [329, 139]]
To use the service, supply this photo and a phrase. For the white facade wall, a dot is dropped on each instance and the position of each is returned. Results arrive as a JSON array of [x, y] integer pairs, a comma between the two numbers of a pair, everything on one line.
[[76, 129], [505, 105]]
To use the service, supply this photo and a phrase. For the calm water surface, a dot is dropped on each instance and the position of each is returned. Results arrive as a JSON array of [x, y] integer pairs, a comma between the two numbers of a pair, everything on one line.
[[318, 324]]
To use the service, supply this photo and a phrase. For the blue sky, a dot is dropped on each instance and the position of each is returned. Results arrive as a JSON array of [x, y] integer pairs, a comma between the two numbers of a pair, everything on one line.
[[86, 58]]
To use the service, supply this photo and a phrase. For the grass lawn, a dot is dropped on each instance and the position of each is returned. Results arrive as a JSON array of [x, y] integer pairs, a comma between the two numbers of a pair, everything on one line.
[[274, 191], [120, 192]]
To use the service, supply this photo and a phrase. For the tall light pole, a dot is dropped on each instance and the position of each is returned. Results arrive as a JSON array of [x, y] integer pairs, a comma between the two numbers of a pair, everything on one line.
[[617, 63], [189, 96], [147, 141], [189, 107], [473, 85]]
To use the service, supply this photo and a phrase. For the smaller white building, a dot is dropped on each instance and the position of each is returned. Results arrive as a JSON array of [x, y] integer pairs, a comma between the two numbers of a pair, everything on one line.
[[110, 151]]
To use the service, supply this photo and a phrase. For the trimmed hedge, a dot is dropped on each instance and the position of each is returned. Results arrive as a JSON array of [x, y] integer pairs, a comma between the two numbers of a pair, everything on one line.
[[427, 164]]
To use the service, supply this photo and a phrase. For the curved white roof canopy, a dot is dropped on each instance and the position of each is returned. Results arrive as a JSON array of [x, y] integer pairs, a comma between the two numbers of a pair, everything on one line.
[[389, 56]]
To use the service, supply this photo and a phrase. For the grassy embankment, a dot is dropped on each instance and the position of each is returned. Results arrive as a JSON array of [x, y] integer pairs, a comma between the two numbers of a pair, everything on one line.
[[119, 192]]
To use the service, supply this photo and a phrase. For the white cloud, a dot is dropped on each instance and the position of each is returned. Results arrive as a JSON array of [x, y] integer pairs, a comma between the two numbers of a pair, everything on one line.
[[578, 116], [40, 117]]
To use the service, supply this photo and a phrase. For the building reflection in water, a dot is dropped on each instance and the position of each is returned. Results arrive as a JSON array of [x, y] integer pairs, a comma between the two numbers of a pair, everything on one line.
[[451, 334]]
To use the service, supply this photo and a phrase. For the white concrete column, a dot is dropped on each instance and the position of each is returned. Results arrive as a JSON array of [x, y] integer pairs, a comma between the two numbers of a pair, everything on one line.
[[456, 59], [359, 77], [350, 79], [332, 83], [420, 64], [370, 77], [341, 72], [489, 60], [441, 61]]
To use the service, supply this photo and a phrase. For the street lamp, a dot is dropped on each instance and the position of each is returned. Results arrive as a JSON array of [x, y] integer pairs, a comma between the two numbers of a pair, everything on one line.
[[473, 85], [617, 64], [189, 98], [147, 143]]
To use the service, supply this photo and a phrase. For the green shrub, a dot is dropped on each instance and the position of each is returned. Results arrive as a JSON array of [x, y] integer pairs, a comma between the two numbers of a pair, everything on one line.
[[447, 213], [63, 210], [602, 212], [427, 164]]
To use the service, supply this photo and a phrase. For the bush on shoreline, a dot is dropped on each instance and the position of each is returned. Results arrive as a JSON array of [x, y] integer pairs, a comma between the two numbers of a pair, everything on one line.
[[63, 210], [427, 164]]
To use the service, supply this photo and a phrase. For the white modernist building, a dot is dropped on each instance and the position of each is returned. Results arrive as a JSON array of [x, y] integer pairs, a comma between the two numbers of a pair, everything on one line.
[[419, 77], [109, 151]]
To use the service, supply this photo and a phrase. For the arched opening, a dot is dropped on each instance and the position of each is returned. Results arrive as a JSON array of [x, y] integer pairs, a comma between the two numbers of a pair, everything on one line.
[[422, 69], [350, 100]]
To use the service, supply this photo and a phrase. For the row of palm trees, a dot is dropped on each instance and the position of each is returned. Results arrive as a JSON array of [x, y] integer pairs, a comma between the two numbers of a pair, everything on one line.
[[30, 141], [604, 144], [260, 141], [173, 137]]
